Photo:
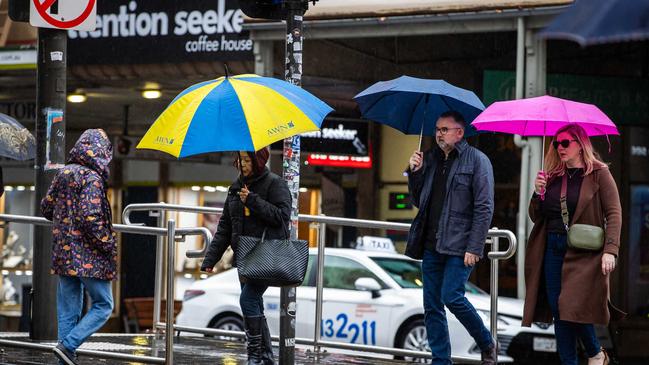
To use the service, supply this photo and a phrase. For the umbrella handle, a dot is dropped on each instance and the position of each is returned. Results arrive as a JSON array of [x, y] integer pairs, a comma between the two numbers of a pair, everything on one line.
[[421, 131], [542, 195]]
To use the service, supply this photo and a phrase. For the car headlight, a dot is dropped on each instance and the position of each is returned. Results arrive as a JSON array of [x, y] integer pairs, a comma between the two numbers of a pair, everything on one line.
[[486, 318]]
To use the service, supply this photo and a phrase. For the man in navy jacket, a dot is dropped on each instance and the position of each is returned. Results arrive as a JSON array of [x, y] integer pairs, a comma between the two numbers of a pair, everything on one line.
[[453, 186]]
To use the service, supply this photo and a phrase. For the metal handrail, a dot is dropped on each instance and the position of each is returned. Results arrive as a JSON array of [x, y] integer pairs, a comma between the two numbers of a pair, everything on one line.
[[157, 207], [322, 221], [349, 222], [124, 228], [173, 235]]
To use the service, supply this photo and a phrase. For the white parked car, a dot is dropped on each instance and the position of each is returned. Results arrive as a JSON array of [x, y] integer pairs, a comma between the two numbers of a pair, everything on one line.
[[370, 298]]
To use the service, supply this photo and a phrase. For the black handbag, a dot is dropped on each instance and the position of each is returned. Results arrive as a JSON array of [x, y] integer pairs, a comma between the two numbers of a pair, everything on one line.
[[273, 262]]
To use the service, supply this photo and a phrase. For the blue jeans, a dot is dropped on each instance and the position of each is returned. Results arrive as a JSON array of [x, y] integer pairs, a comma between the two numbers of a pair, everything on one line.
[[444, 280], [566, 332], [251, 299], [74, 330]]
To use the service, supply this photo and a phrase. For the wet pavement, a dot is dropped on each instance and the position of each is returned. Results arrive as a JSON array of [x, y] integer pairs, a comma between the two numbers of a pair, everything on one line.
[[187, 350]]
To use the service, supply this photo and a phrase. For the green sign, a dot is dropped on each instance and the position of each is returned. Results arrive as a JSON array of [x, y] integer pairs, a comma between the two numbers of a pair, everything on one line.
[[399, 201], [624, 100]]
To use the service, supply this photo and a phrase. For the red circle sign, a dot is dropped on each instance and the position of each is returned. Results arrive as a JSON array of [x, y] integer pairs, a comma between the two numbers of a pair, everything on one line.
[[42, 10]]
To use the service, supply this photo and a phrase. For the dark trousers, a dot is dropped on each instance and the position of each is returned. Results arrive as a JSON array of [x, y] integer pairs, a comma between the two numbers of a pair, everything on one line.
[[566, 332], [444, 280], [251, 299]]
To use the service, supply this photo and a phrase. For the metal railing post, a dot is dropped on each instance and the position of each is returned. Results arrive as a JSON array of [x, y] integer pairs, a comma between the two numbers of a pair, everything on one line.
[[322, 233], [169, 333], [494, 293], [159, 268]]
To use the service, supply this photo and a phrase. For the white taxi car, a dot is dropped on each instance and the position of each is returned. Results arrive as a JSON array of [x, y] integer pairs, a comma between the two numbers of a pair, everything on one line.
[[370, 298]]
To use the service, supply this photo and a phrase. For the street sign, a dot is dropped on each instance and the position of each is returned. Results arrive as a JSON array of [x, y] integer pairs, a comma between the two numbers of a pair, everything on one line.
[[63, 14]]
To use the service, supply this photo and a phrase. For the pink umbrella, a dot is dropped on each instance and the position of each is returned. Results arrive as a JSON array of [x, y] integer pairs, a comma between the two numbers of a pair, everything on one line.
[[543, 116]]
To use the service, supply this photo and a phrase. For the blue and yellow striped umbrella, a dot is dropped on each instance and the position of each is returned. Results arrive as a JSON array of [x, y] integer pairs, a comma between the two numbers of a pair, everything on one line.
[[238, 113]]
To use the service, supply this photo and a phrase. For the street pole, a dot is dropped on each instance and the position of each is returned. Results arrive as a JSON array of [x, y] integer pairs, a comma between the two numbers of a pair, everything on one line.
[[295, 10], [50, 95]]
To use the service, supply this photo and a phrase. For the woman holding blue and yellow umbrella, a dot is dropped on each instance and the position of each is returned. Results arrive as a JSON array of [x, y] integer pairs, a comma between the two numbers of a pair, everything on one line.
[[243, 114]]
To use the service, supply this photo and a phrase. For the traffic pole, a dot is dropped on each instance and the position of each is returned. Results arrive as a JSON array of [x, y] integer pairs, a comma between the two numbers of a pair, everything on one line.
[[291, 173], [50, 98]]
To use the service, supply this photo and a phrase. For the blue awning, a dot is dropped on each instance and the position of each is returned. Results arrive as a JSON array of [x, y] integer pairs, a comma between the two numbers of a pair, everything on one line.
[[589, 22]]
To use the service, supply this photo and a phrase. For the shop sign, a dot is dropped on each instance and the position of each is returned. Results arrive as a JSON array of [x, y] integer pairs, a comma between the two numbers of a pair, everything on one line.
[[139, 32], [16, 59], [346, 138], [22, 111], [624, 100]]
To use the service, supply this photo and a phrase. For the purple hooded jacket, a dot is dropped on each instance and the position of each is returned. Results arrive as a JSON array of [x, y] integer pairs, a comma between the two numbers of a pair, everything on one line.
[[83, 240]]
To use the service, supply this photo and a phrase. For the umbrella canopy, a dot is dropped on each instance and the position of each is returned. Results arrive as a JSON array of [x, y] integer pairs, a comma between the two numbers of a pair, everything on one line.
[[413, 105], [239, 113], [543, 116], [15, 140], [590, 22]]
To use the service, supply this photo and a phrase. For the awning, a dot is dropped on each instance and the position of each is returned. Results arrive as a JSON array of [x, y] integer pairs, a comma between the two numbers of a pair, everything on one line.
[[345, 9], [601, 21]]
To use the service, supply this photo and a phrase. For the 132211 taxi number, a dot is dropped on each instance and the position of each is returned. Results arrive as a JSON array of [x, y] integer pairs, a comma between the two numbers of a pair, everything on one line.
[[343, 328]]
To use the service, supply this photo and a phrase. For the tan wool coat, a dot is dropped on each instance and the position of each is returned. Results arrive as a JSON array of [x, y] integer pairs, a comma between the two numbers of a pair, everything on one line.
[[584, 294]]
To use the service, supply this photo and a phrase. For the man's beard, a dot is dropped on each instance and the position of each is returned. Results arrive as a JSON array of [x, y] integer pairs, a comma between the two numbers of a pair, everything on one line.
[[443, 145]]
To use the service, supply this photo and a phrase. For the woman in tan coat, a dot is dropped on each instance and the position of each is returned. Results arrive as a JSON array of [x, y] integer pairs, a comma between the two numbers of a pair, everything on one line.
[[571, 286]]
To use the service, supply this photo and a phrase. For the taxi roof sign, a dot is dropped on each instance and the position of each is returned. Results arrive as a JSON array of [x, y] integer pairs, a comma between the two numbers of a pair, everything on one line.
[[372, 243]]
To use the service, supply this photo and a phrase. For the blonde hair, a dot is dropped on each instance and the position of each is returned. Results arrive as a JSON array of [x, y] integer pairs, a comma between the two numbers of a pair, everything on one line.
[[553, 164]]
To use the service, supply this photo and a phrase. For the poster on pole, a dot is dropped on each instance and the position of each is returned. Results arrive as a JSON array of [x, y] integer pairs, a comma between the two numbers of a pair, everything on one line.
[[55, 143]]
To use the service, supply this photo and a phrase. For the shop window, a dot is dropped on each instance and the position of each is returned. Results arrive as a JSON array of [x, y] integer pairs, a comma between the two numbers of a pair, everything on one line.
[[638, 272], [16, 245]]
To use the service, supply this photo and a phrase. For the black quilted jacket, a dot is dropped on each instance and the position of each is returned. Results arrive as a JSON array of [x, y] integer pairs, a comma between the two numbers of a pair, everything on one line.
[[269, 205]]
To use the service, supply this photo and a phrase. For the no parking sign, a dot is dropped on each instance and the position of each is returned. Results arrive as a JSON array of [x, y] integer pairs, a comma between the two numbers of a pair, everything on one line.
[[63, 14]]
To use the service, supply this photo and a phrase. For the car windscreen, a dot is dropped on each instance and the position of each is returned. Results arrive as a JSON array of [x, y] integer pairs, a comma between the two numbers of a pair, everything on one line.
[[407, 273]]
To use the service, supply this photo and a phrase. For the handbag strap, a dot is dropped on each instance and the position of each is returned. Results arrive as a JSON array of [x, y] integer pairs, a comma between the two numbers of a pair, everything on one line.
[[288, 237], [288, 234], [563, 200]]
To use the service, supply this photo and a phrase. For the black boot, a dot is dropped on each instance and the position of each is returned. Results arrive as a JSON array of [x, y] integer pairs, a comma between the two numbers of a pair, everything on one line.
[[267, 352], [490, 356], [254, 339]]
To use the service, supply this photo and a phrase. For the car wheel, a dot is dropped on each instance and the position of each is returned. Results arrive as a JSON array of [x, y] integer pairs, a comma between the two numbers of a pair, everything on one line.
[[413, 336], [228, 323]]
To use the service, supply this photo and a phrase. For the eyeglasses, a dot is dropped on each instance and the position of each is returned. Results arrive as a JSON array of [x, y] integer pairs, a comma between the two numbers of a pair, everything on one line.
[[444, 130], [564, 143]]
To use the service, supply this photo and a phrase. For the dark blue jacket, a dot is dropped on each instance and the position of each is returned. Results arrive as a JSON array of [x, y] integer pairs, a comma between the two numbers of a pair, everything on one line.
[[468, 206]]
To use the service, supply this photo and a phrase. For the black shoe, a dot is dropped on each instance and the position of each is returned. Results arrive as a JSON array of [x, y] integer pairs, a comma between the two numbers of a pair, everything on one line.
[[490, 357], [65, 355], [267, 346], [254, 339]]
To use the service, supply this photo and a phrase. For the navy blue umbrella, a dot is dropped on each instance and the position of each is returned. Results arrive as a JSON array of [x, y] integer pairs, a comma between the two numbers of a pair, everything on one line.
[[589, 22], [413, 105]]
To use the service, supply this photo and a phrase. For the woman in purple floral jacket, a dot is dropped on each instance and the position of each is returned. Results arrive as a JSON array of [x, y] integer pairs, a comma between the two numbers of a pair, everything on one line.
[[84, 252]]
